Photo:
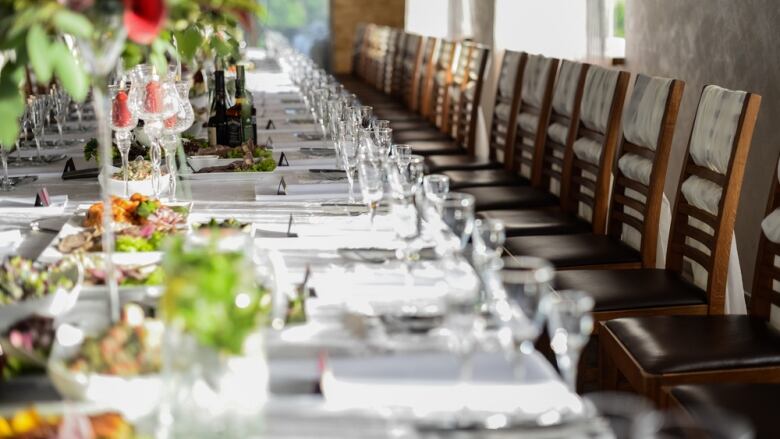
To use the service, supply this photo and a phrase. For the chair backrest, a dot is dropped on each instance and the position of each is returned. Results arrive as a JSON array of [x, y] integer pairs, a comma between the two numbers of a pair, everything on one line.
[[382, 57], [462, 101], [403, 82], [561, 130], [440, 79], [451, 96], [588, 163], [393, 59], [649, 120], [503, 128], [423, 73], [708, 191], [765, 294], [533, 116], [358, 46]]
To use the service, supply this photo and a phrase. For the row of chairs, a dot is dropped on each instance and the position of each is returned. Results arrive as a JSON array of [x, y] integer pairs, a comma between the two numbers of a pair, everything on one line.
[[577, 172]]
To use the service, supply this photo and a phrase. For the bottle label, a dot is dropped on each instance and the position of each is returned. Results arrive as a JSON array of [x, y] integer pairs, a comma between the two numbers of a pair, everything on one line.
[[234, 132], [212, 136]]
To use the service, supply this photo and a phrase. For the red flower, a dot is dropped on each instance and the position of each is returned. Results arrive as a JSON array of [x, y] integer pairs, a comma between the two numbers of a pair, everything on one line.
[[144, 19]]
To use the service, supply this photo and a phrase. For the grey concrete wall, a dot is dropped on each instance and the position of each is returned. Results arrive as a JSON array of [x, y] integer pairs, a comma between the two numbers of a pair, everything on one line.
[[726, 42]]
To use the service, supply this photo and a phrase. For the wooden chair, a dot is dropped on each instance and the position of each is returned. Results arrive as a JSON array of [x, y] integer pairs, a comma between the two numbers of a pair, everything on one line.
[[411, 117], [602, 86], [637, 194], [560, 135], [533, 98], [647, 335], [755, 403], [461, 119]]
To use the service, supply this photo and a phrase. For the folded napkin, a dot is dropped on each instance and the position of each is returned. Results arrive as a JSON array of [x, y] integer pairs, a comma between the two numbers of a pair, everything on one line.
[[9, 241], [427, 383], [26, 206]]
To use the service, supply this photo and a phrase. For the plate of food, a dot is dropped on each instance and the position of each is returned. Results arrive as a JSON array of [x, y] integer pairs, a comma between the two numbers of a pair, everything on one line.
[[58, 420], [30, 288], [114, 365], [139, 276], [140, 225]]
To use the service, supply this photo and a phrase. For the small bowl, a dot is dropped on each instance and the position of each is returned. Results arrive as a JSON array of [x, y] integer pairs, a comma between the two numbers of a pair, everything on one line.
[[136, 396], [144, 187]]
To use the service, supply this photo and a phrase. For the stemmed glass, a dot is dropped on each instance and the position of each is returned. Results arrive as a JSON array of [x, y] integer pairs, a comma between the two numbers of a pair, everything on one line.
[[569, 323], [371, 174], [366, 114], [405, 181], [400, 152], [462, 298], [348, 153], [123, 121], [60, 102], [527, 285], [173, 127], [158, 101], [38, 113], [436, 187]]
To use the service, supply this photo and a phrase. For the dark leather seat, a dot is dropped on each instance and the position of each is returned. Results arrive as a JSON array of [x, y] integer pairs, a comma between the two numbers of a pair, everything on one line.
[[533, 222], [614, 290], [510, 197], [406, 125], [565, 251], [436, 147], [407, 136], [485, 177], [440, 163], [677, 344], [755, 402]]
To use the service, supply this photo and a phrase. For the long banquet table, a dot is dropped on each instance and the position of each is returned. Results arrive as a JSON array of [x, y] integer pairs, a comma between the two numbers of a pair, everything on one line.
[[295, 408]]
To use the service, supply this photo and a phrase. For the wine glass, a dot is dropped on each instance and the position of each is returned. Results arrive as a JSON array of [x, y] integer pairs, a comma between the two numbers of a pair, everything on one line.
[[400, 152], [457, 213], [366, 113], [436, 187], [380, 123], [60, 103], [38, 113], [527, 285], [158, 101], [348, 152], [569, 323], [123, 121], [173, 127], [371, 177], [405, 182]]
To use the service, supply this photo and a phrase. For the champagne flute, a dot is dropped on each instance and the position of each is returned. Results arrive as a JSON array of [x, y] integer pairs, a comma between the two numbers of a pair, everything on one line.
[[60, 104], [348, 152], [38, 113], [569, 323]]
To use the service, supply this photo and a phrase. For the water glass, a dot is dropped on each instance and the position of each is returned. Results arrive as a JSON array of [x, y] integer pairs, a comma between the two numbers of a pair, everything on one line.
[[60, 102], [38, 113], [366, 114], [569, 323], [348, 152]]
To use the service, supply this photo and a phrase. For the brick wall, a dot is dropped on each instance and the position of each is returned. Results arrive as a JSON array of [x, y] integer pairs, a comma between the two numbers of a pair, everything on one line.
[[346, 14]]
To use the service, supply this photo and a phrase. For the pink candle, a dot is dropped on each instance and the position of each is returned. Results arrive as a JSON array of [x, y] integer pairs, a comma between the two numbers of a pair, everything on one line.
[[153, 102], [120, 113]]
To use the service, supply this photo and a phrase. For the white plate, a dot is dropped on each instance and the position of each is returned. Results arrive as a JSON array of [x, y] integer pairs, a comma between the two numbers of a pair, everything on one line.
[[143, 187]]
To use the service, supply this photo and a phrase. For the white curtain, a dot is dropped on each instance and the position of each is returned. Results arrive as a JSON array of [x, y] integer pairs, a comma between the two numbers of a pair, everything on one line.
[[597, 28]]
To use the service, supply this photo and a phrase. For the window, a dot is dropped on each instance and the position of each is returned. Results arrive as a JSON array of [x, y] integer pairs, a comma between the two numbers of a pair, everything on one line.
[[305, 23], [615, 45]]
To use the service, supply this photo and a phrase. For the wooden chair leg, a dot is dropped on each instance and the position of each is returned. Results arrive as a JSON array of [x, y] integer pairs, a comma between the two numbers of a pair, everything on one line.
[[608, 377]]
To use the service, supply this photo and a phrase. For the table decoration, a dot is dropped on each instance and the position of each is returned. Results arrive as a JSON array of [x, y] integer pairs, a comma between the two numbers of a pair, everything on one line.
[[213, 356], [123, 121]]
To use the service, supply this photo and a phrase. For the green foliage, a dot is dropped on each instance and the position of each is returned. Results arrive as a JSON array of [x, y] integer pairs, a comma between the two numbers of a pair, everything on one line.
[[620, 18], [212, 295], [31, 36]]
